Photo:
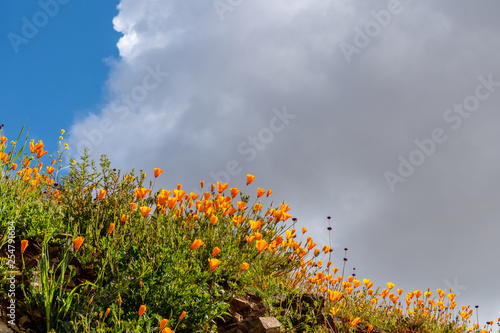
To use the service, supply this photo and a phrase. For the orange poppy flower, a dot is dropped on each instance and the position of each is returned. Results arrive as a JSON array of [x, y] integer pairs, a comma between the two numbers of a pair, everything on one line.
[[269, 192], [370, 328], [213, 263], [257, 207], [213, 220], [141, 192], [142, 309], [196, 243], [133, 206], [50, 170], [107, 312], [123, 218], [202, 183], [40, 153], [158, 172], [234, 192], [163, 323], [355, 321], [183, 314], [167, 330], [250, 179], [221, 187], [145, 210], [2, 140], [335, 295], [244, 266], [24, 245], [241, 205], [215, 251], [3, 157], [102, 193], [255, 225], [261, 245], [111, 228], [78, 242], [260, 192]]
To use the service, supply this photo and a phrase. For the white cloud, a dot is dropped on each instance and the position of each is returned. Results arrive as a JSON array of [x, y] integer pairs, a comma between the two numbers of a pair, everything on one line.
[[352, 122]]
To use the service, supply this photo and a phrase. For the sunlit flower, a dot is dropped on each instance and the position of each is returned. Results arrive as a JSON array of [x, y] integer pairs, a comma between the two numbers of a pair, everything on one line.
[[234, 192], [158, 172], [145, 210], [213, 263], [304, 230], [133, 206], [390, 285], [111, 228], [269, 192], [370, 328], [335, 295], [78, 242], [163, 323], [196, 243], [107, 312], [123, 218], [221, 187], [250, 179], [261, 245], [141, 192], [142, 309], [213, 220], [244, 266], [183, 314], [3, 157], [355, 321], [24, 245], [215, 251], [241, 205], [255, 225], [260, 192], [102, 193]]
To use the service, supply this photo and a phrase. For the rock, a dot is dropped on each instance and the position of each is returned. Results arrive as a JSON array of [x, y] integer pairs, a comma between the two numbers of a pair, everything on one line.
[[256, 325], [269, 325], [4, 328]]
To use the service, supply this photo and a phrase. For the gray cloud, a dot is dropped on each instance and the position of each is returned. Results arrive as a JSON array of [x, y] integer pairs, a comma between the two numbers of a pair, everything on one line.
[[352, 121]]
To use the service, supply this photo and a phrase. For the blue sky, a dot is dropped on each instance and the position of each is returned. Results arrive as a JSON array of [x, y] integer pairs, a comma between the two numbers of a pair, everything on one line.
[[328, 103], [62, 69]]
